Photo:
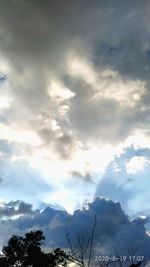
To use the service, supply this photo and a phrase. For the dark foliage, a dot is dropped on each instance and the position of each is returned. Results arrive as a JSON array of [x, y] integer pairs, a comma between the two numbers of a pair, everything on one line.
[[26, 252]]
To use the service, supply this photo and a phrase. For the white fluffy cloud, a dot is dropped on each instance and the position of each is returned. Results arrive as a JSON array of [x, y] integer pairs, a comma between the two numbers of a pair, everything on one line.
[[137, 164], [126, 180]]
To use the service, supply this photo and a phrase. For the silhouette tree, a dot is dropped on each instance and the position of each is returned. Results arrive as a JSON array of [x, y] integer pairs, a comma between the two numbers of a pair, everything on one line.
[[26, 252]]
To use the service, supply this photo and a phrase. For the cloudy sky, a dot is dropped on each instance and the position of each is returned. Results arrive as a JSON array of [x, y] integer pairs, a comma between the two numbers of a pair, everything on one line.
[[74, 105]]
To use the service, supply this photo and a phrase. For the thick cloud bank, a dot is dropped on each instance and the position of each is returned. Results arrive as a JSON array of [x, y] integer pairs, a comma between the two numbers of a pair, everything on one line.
[[113, 227]]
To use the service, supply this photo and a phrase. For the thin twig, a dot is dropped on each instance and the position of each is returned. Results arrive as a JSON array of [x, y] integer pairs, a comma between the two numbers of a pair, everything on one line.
[[91, 243]]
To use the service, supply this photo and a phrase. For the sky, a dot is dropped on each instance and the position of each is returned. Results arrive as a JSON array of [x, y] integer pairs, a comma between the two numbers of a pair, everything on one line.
[[74, 107]]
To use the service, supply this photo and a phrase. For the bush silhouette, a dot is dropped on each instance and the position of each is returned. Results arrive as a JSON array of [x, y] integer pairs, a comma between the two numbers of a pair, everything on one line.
[[26, 252]]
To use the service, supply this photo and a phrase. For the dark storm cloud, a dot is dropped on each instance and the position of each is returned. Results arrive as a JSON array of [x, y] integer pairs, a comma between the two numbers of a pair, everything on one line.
[[12, 208], [91, 116], [39, 32], [35, 39], [113, 227]]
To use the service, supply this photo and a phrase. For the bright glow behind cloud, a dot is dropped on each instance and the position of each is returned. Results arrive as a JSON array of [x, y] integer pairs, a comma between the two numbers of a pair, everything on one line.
[[87, 157], [19, 136], [137, 164], [75, 92]]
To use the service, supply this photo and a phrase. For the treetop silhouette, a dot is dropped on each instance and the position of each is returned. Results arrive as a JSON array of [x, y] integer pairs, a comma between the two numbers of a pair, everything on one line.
[[26, 252]]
